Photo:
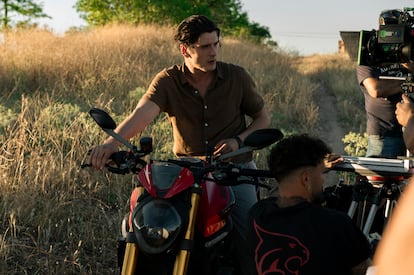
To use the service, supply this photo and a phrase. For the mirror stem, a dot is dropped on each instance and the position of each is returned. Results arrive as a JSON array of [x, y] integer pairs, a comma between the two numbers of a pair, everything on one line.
[[119, 138]]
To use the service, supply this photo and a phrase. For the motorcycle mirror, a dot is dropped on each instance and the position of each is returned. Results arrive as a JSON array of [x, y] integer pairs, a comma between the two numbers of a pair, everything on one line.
[[102, 118], [105, 121], [263, 137]]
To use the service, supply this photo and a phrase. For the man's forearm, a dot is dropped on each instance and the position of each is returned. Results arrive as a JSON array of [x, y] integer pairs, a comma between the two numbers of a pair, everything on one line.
[[260, 120]]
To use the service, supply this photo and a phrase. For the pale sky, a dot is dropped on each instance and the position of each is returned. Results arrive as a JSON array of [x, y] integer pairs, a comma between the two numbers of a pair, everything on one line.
[[306, 26]]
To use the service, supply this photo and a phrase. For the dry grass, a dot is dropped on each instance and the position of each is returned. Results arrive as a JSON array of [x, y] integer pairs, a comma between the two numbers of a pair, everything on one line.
[[56, 218], [337, 73]]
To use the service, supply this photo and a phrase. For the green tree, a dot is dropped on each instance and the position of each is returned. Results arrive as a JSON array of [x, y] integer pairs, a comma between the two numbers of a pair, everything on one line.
[[227, 13], [26, 9], [101, 12]]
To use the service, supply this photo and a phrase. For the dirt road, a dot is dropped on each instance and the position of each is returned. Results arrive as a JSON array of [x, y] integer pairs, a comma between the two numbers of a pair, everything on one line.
[[330, 129]]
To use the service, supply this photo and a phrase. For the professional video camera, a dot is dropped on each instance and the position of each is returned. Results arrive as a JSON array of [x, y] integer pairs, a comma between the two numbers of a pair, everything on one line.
[[393, 42]]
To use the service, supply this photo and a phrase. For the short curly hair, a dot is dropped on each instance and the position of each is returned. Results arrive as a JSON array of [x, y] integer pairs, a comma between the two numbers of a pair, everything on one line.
[[190, 29], [294, 152]]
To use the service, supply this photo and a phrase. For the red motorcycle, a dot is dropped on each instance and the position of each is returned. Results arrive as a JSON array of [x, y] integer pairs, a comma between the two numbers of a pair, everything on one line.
[[179, 219]]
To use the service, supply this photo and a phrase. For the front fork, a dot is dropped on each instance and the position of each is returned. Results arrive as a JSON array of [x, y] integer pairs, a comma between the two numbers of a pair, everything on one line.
[[131, 249], [131, 254], [183, 255]]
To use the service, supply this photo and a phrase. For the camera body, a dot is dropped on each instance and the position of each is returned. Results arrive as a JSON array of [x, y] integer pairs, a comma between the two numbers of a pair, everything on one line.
[[391, 43]]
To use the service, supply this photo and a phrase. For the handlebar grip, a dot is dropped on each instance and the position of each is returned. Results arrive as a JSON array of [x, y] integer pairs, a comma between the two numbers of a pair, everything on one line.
[[119, 157]]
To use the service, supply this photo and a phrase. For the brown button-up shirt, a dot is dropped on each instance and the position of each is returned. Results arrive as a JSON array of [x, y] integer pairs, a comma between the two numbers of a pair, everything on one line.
[[201, 122]]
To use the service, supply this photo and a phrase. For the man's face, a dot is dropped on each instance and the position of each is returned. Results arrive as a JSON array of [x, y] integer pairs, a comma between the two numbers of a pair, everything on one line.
[[202, 55]]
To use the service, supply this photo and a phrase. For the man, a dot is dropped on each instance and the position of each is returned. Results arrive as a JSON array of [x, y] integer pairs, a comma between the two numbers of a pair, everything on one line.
[[289, 232], [206, 102], [381, 95]]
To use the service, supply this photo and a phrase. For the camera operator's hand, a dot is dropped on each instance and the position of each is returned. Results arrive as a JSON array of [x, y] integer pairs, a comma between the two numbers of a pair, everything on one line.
[[404, 110], [409, 66], [331, 160]]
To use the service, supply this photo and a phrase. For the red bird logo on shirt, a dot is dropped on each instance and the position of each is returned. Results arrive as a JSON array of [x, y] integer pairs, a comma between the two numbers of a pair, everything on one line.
[[282, 254]]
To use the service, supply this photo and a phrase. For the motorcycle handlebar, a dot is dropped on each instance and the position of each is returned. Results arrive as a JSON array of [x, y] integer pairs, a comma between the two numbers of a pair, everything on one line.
[[235, 176], [124, 162]]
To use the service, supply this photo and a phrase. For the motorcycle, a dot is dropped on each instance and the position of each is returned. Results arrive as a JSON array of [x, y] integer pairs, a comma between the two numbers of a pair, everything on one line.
[[179, 220]]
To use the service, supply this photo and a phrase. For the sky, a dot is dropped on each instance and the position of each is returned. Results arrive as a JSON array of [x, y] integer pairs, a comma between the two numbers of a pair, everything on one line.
[[303, 26]]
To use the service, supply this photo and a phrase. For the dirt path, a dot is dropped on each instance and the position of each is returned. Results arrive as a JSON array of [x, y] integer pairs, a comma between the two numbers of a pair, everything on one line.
[[330, 129]]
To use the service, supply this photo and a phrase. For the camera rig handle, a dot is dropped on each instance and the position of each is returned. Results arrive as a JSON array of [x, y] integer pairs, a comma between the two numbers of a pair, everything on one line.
[[406, 86]]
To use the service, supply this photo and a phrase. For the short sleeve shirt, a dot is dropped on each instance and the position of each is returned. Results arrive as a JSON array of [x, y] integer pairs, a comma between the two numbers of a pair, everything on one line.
[[380, 112], [199, 123], [304, 239]]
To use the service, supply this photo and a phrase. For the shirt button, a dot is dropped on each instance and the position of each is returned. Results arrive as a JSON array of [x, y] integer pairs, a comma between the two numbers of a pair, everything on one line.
[[206, 124], [205, 107]]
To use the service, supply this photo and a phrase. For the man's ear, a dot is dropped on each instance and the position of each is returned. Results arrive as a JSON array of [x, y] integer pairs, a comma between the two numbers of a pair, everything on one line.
[[184, 50], [305, 179]]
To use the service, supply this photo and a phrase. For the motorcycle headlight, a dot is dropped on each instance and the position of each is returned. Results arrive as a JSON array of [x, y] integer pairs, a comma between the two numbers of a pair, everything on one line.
[[157, 224]]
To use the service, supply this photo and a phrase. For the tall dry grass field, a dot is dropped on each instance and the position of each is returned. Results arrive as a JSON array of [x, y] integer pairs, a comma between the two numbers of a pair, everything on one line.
[[55, 217]]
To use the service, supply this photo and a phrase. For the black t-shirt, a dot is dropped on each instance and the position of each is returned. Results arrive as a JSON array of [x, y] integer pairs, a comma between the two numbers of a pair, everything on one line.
[[304, 239], [380, 112]]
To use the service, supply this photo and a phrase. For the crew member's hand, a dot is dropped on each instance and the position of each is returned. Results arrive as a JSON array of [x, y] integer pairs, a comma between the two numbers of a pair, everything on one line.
[[404, 110], [99, 155], [331, 160], [409, 66]]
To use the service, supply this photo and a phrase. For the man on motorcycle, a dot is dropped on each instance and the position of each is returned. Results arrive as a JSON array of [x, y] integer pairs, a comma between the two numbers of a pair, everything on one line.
[[289, 232], [206, 102]]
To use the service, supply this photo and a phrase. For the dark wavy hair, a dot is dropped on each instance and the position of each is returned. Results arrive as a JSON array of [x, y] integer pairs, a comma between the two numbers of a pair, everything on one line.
[[294, 152], [189, 30]]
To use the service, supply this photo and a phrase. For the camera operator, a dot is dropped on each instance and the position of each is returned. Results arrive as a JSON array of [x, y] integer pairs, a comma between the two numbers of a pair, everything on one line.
[[385, 138]]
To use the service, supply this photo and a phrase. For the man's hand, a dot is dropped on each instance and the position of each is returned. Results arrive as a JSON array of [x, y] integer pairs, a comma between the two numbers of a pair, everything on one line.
[[100, 155], [404, 110], [225, 146]]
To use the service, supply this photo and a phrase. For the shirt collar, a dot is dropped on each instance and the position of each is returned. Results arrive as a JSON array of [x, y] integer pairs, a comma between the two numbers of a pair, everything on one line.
[[218, 71]]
